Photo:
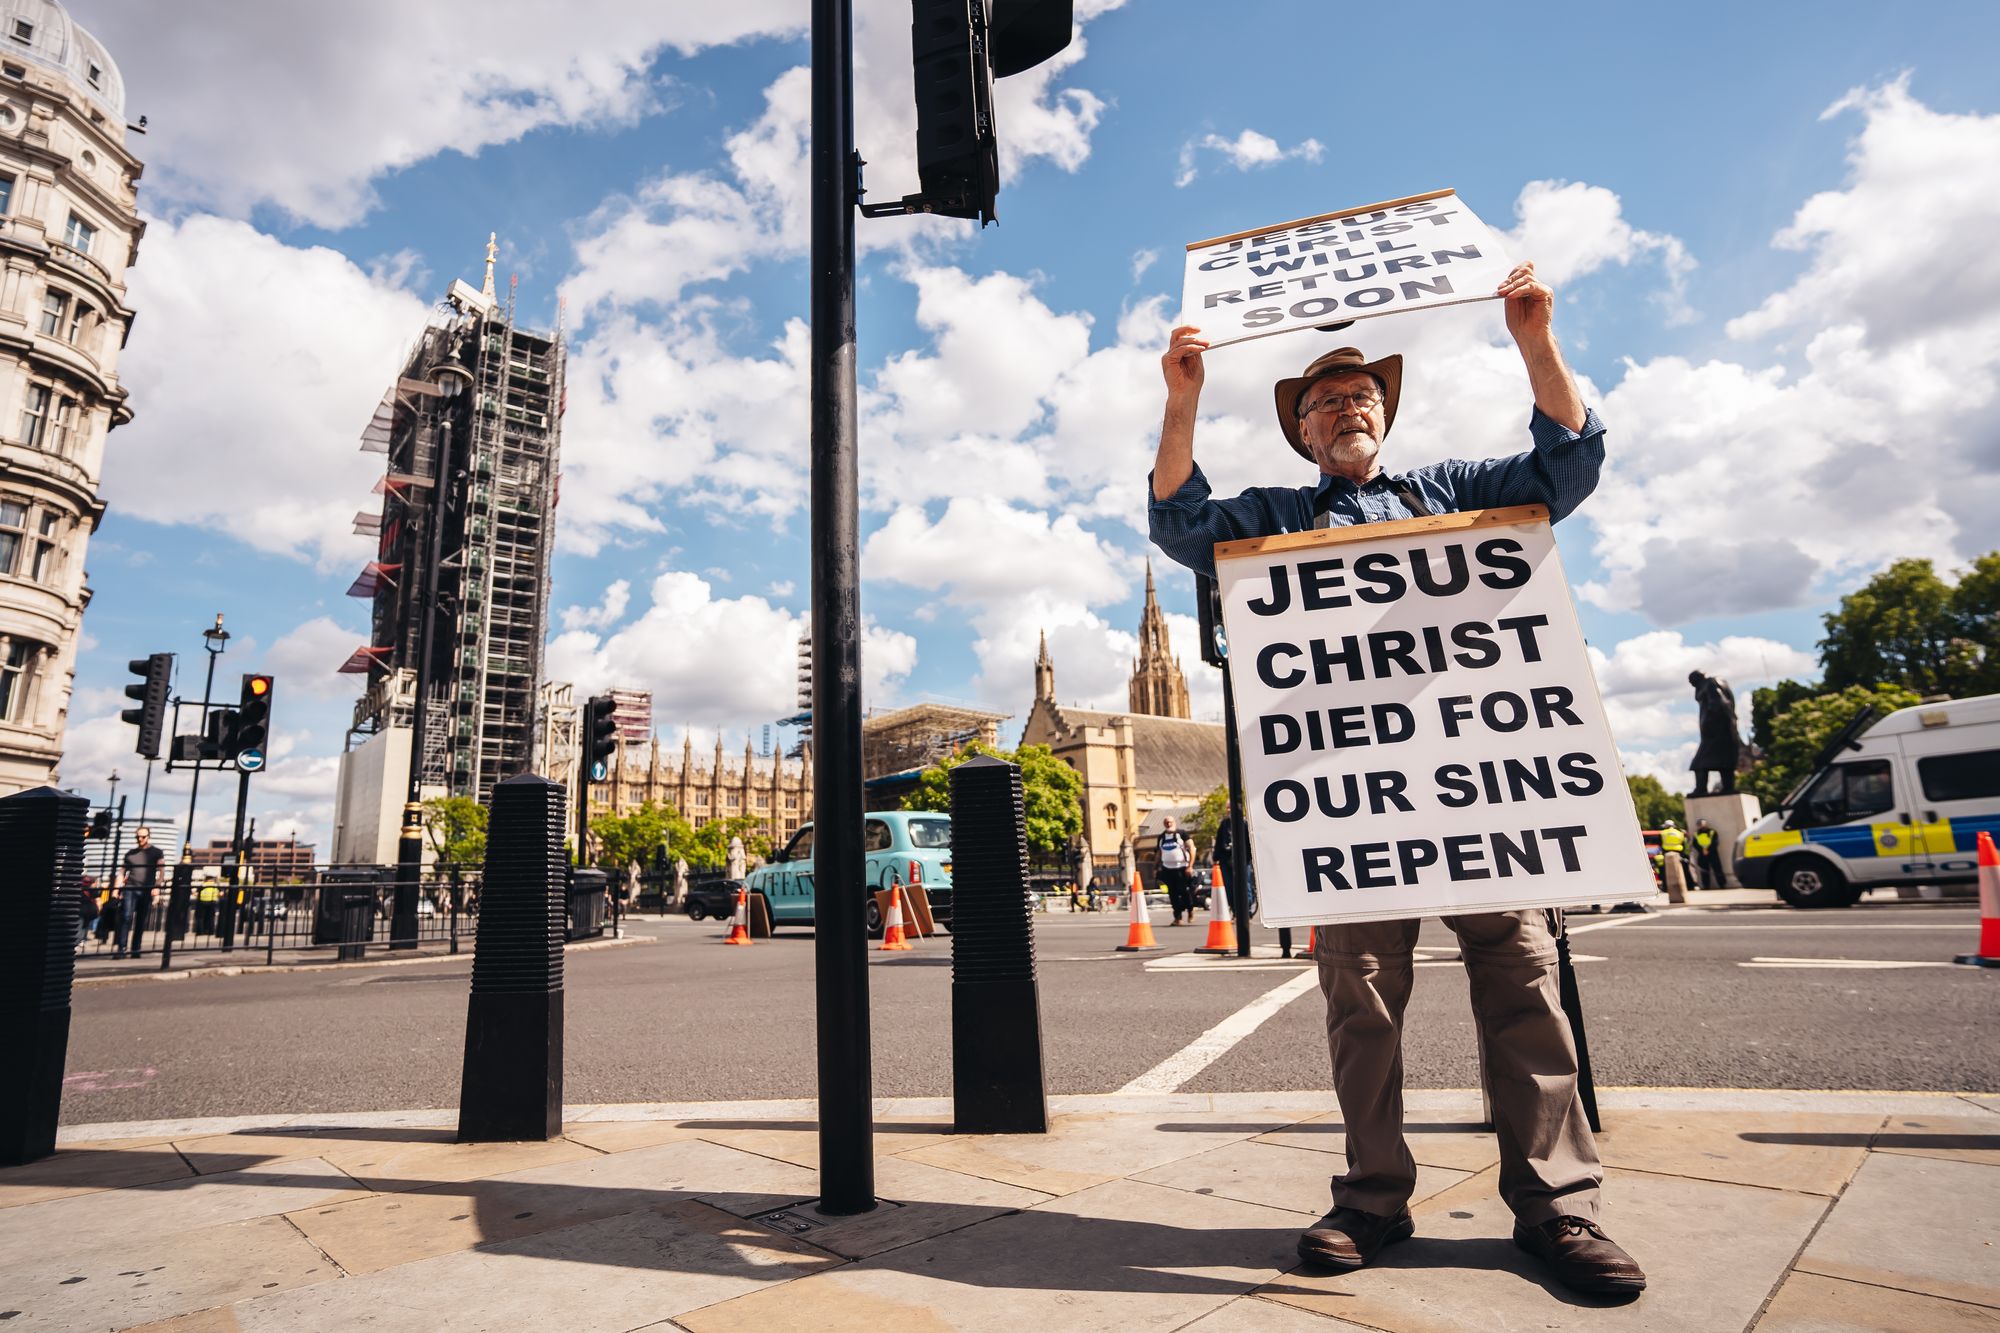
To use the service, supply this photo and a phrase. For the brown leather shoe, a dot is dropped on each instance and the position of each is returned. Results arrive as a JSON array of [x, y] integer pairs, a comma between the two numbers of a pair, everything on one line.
[[1349, 1238], [1581, 1256]]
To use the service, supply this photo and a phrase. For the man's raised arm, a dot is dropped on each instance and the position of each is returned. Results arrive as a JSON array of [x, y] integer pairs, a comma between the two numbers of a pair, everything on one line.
[[1531, 306], [1181, 365]]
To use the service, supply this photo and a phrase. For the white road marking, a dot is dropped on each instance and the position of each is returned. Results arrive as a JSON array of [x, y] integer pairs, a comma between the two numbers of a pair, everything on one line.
[[1886, 925], [1840, 964], [1623, 919], [1212, 1045]]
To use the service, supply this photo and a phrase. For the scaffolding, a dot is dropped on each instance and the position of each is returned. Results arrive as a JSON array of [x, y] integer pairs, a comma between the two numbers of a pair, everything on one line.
[[496, 514]]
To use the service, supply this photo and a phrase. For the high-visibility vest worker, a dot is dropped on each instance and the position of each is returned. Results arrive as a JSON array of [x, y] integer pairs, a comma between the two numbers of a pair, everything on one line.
[[1704, 838], [1672, 839], [211, 892]]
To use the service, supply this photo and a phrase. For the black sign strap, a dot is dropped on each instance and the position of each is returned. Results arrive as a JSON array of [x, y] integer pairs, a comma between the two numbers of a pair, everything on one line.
[[1404, 492]]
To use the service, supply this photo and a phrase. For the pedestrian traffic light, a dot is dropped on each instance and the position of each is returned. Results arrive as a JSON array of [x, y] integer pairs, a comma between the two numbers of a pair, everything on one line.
[[957, 49], [100, 825], [600, 737], [249, 739], [150, 716], [1208, 609]]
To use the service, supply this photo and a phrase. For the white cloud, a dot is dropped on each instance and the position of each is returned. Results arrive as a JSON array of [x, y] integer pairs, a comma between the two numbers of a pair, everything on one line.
[[1740, 486], [1247, 150], [307, 658], [1571, 229], [681, 230], [250, 392], [729, 662], [305, 107], [609, 610]]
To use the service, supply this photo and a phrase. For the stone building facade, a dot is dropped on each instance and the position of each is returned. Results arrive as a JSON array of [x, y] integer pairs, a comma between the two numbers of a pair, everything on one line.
[[69, 228], [1131, 763], [775, 791]]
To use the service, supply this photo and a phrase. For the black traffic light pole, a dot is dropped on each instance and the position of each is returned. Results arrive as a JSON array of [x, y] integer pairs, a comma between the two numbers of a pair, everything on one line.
[[233, 875], [840, 940]]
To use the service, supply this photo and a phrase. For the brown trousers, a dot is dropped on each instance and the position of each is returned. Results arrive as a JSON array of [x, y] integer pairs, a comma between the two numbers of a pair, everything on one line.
[[1548, 1160]]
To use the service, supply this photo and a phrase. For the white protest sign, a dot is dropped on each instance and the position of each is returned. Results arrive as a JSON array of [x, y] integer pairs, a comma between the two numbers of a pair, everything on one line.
[[1420, 728], [1405, 254]]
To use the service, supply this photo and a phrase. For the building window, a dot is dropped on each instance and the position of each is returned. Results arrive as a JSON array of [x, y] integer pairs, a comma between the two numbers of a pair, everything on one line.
[[77, 316], [14, 71], [47, 560], [24, 31], [55, 309], [6, 182], [62, 438], [78, 234], [35, 415], [1110, 814], [16, 675], [13, 531], [96, 77]]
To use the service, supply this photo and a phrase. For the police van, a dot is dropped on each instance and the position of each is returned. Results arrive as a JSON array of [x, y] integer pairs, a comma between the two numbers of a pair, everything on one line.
[[1899, 800]]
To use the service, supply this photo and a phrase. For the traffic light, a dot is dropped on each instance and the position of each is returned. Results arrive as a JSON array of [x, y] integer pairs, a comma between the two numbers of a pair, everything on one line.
[[249, 738], [1208, 610], [957, 49], [600, 737], [151, 715], [100, 825]]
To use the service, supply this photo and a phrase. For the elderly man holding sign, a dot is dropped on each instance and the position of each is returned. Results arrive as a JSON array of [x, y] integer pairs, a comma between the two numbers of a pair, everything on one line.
[[1338, 415]]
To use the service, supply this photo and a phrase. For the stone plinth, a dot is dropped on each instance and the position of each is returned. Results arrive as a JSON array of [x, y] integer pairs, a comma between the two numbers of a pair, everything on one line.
[[1729, 816]]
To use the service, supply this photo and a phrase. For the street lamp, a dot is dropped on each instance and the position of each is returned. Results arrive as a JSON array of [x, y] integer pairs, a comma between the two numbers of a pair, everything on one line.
[[450, 380]]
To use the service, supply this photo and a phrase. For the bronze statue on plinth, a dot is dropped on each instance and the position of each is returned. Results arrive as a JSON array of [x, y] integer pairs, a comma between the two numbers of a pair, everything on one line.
[[1720, 746]]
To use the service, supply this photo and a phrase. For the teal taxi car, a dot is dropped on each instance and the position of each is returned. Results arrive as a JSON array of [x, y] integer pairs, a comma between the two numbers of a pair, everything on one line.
[[902, 846]]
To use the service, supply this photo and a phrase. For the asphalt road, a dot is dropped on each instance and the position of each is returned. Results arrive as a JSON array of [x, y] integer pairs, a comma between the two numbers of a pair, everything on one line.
[[1676, 999]]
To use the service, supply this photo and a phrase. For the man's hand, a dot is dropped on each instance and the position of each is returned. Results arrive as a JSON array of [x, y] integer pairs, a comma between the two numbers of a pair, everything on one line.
[[1531, 303], [1531, 306], [1181, 365]]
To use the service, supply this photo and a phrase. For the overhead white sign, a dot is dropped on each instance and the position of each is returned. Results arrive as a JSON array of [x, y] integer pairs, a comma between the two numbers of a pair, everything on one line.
[[1420, 728], [1405, 254]]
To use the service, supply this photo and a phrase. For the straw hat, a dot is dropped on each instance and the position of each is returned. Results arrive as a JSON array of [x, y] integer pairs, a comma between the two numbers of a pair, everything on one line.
[[1340, 360]]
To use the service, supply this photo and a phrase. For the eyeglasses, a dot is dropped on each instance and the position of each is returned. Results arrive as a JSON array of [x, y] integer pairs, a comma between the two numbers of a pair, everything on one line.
[[1363, 401]]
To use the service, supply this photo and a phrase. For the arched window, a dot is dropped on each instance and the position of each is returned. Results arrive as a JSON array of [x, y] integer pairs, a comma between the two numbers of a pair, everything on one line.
[[1111, 814]]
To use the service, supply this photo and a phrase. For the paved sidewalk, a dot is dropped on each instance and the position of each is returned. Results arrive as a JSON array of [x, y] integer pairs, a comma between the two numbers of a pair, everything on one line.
[[97, 970], [1778, 1211]]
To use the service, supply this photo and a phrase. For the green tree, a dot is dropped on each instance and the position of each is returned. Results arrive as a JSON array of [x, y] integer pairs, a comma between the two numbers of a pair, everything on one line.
[[1656, 805], [636, 835], [1208, 816], [1766, 702], [1975, 606], [455, 827], [1903, 627], [1800, 732], [707, 847], [1051, 791]]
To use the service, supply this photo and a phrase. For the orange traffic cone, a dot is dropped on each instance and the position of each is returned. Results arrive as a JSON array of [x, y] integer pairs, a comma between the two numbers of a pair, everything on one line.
[[892, 927], [1989, 907], [739, 925], [1140, 936], [1221, 926]]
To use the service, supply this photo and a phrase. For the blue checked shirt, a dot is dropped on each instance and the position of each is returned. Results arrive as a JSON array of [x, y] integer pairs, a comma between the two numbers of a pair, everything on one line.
[[1560, 472]]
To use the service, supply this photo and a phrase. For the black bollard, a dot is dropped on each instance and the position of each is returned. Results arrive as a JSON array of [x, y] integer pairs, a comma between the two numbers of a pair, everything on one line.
[[41, 852], [513, 1083], [996, 1020]]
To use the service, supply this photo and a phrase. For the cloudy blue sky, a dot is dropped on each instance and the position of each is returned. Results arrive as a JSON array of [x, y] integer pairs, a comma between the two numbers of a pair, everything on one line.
[[1771, 237]]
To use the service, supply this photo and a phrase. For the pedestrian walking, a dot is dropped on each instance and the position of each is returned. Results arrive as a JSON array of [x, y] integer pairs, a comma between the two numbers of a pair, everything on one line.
[[138, 884], [1175, 858], [86, 909], [1708, 855], [1336, 415]]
